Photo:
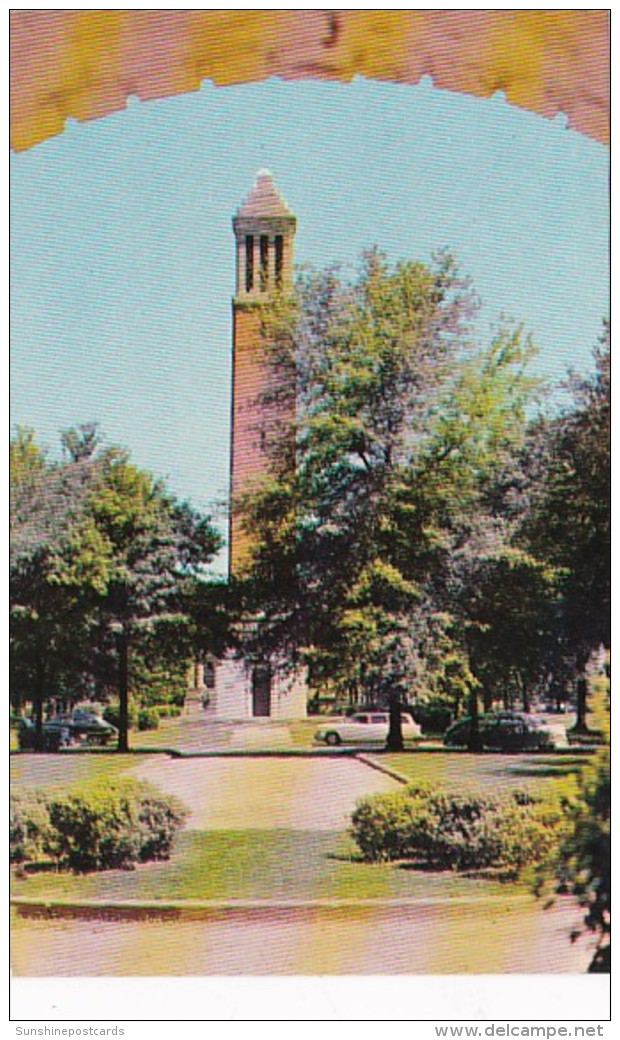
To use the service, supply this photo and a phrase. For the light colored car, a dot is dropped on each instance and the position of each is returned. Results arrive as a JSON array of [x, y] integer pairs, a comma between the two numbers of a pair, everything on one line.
[[367, 727]]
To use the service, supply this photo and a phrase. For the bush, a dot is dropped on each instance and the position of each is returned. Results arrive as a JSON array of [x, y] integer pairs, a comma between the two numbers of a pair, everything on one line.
[[433, 717], [29, 827], [457, 832], [148, 718], [111, 715], [383, 825], [116, 825], [168, 711], [158, 818]]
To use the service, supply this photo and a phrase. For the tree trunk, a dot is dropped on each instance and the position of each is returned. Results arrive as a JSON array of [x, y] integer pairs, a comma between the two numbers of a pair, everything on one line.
[[582, 705], [474, 743], [394, 740], [38, 703], [123, 690], [582, 695], [525, 696]]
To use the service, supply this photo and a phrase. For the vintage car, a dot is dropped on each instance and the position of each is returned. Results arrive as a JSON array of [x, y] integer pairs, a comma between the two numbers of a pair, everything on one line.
[[366, 727], [502, 731]]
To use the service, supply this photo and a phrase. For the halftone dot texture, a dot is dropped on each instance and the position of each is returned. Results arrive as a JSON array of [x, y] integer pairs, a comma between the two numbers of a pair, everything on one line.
[[262, 880], [84, 64], [281, 822]]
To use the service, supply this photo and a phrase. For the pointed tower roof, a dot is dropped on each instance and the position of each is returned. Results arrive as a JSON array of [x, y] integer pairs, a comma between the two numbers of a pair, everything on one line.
[[264, 199]]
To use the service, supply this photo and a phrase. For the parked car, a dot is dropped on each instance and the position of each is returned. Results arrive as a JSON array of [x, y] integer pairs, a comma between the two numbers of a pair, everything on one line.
[[87, 725], [502, 731], [53, 737], [364, 728]]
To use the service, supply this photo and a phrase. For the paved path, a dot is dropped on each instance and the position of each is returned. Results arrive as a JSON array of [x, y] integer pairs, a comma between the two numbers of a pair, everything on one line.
[[521, 939], [239, 793]]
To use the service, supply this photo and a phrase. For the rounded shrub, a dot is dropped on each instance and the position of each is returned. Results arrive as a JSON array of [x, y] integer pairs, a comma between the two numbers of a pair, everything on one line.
[[167, 711], [30, 830], [111, 714], [113, 825], [433, 717], [457, 831], [148, 718], [385, 826], [159, 818]]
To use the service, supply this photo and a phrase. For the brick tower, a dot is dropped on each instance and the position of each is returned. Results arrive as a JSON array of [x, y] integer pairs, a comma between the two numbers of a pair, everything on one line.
[[264, 230]]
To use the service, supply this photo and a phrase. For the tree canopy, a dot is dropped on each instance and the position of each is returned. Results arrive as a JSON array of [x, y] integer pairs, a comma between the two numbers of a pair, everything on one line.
[[104, 558], [387, 485]]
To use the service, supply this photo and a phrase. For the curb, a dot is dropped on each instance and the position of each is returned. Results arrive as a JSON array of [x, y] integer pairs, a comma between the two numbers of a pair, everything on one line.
[[205, 908], [373, 763], [341, 752]]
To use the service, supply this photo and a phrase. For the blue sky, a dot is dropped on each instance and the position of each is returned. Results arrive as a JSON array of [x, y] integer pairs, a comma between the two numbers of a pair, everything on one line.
[[122, 259]]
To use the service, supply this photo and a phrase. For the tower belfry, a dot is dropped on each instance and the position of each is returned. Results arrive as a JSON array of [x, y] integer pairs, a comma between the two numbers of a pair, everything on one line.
[[264, 229]]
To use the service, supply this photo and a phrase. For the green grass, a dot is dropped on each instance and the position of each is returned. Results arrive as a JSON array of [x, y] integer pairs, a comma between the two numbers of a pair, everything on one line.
[[279, 864], [302, 731], [485, 773], [65, 770], [248, 865]]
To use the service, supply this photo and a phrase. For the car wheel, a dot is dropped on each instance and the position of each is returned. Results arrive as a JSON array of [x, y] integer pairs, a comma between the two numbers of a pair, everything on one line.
[[332, 739]]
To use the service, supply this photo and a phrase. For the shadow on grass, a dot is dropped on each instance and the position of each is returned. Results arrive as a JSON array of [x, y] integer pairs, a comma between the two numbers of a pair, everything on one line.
[[46, 866], [501, 874], [345, 857], [544, 771]]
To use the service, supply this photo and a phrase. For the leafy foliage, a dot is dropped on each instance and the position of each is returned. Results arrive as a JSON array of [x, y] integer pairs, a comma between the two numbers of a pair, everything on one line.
[[113, 825], [582, 862], [567, 522], [29, 827], [457, 832], [383, 492], [106, 568]]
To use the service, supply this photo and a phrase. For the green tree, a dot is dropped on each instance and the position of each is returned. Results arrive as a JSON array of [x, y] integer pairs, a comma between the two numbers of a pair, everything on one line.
[[49, 619], [379, 482], [104, 561], [582, 863], [568, 523], [152, 550]]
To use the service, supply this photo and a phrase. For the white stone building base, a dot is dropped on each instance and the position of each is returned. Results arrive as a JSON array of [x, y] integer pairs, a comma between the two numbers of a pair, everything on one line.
[[232, 698]]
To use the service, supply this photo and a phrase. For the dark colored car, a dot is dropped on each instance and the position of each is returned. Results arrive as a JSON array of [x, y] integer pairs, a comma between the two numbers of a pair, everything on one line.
[[62, 730], [502, 731], [86, 725], [54, 736]]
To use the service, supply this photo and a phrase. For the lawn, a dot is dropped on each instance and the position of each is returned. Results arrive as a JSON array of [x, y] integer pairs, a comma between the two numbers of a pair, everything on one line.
[[65, 770], [258, 865], [486, 773], [279, 864]]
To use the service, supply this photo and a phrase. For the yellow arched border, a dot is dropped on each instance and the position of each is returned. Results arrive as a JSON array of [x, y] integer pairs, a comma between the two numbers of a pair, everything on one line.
[[84, 64]]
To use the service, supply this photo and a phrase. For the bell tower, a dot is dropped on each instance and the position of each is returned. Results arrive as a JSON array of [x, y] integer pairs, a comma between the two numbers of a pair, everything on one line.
[[264, 230], [256, 688]]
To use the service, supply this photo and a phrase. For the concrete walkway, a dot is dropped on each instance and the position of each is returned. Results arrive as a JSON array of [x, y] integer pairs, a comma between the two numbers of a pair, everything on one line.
[[306, 794], [510, 939]]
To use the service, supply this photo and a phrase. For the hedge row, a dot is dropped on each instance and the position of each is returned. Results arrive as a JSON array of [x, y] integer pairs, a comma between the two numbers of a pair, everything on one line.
[[117, 824], [458, 832], [142, 718]]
